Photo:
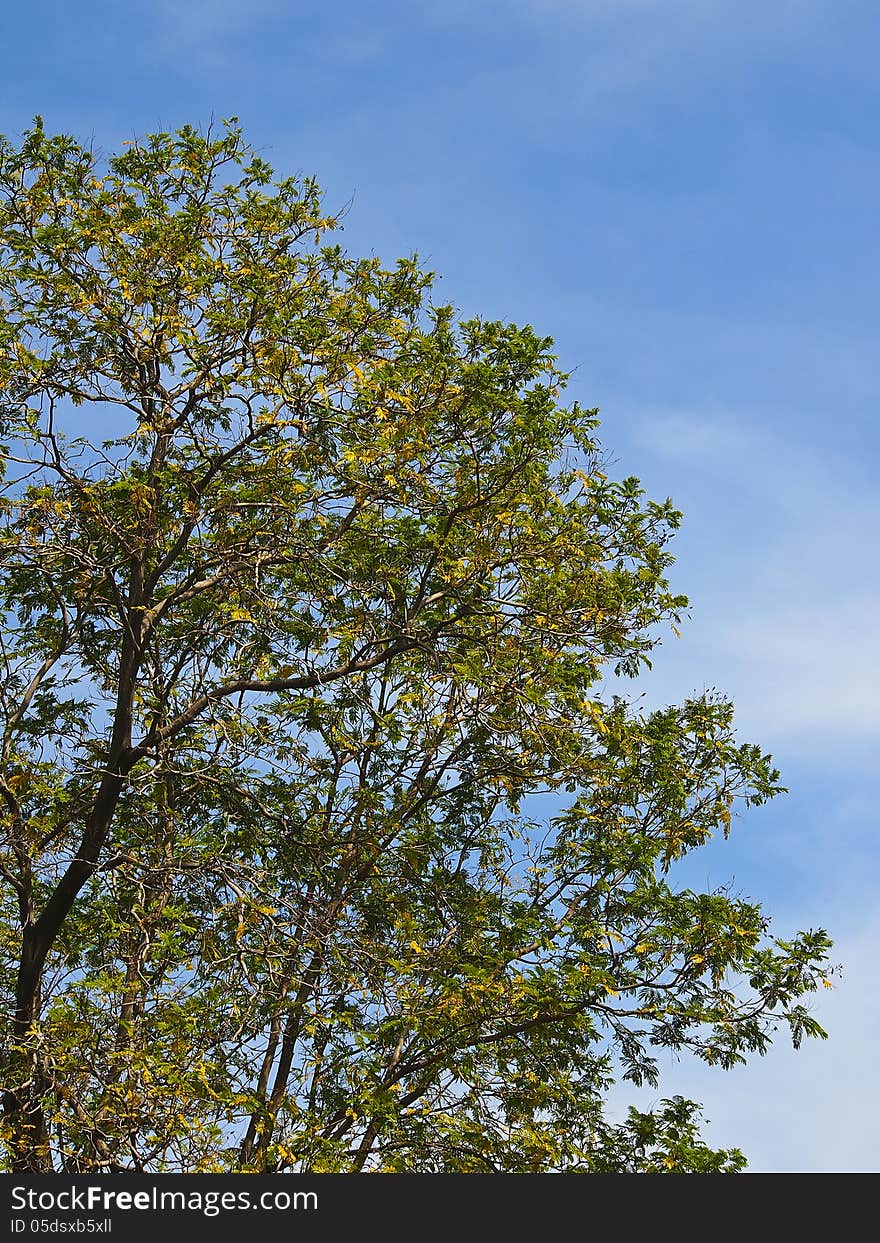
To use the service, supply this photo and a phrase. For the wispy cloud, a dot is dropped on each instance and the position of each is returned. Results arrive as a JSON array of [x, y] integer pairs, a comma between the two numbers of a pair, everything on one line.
[[810, 673], [786, 604], [208, 35], [212, 19]]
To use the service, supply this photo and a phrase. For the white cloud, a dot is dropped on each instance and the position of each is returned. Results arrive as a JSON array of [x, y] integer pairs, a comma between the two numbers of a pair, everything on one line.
[[209, 19], [812, 671], [774, 552], [206, 35]]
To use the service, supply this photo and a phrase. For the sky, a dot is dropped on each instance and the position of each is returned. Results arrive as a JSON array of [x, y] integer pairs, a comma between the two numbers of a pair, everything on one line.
[[684, 194]]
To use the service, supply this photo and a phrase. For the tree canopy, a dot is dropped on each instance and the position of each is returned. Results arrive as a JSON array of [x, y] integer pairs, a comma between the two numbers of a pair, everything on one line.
[[322, 846]]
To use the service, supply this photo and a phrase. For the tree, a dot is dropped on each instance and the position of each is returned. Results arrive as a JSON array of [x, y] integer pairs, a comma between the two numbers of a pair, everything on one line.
[[308, 590]]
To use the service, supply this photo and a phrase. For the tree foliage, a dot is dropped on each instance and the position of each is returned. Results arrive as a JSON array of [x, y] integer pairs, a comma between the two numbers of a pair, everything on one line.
[[308, 589]]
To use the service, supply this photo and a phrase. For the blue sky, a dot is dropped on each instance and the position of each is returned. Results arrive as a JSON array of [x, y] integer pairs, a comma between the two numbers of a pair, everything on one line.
[[684, 193]]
